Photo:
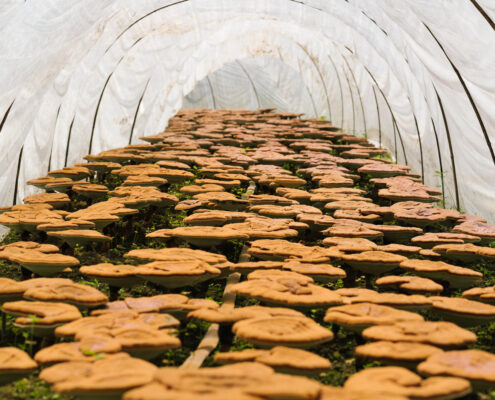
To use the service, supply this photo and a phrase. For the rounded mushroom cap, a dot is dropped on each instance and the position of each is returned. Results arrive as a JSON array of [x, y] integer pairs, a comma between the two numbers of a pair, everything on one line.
[[279, 357], [14, 359], [431, 239], [350, 244], [397, 351], [87, 349], [177, 268], [438, 333], [136, 336], [288, 331], [476, 365], [400, 248], [317, 271], [288, 292], [109, 270], [34, 258], [476, 228], [398, 380], [54, 199], [339, 393], [359, 295], [437, 266], [250, 266], [198, 232], [248, 377], [10, 287], [462, 306], [379, 257], [45, 313], [277, 275], [486, 294], [410, 283], [215, 217], [276, 249], [228, 316], [157, 391], [81, 234], [368, 314], [176, 254], [158, 303], [106, 322], [117, 373], [67, 292], [42, 247]]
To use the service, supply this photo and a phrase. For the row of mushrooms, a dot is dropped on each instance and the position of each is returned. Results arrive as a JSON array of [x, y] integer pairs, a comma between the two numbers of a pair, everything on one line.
[[333, 240]]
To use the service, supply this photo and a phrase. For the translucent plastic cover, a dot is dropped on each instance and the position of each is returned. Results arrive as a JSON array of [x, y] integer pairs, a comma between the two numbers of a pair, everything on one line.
[[415, 76]]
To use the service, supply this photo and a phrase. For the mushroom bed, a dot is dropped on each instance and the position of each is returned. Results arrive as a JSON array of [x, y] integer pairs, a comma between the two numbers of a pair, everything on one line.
[[244, 255]]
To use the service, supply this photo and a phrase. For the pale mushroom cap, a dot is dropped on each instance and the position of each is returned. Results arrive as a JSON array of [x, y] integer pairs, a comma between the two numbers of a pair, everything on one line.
[[350, 244], [463, 306], [147, 304], [282, 249], [250, 378], [206, 232], [279, 357], [223, 315], [177, 268], [277, 275], [368, 314], [379, 257], [476, 365], [440, 333], [476, 228], [315, 270], [67, 292], [83, 234], [37, 258], [486, 294], [84, 350], [397, 351], [410, 283], [109, 270], [339, 393], [176, 254], [437, 266], [398, 380], [157, 391], [113, 373], [11, 287], [46, 313], [288, 292], [117, 319], [14, 359], [289, 331], [44, 248], [136, 336]]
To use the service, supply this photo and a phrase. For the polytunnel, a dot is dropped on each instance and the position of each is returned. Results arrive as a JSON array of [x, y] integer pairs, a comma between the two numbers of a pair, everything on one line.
[[413, 76], [247, 199]]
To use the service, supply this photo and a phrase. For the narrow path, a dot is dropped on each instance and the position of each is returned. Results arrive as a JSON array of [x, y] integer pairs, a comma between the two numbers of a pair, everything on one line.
[[211, 339]]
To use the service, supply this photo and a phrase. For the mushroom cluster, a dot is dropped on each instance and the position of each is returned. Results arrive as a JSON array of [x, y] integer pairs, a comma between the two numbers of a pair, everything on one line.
[[277, 245]]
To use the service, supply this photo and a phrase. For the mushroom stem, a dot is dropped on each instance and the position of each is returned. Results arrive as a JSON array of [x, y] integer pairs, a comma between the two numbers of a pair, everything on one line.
[[47, 340], [26, 274], [226, 337], [369, 281], [199, 290], [350, 279], [335, 329], [4, 326], [114, 293]]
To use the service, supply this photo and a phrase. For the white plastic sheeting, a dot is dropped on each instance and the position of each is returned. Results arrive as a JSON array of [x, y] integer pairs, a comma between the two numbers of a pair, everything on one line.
[[416, 76]]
